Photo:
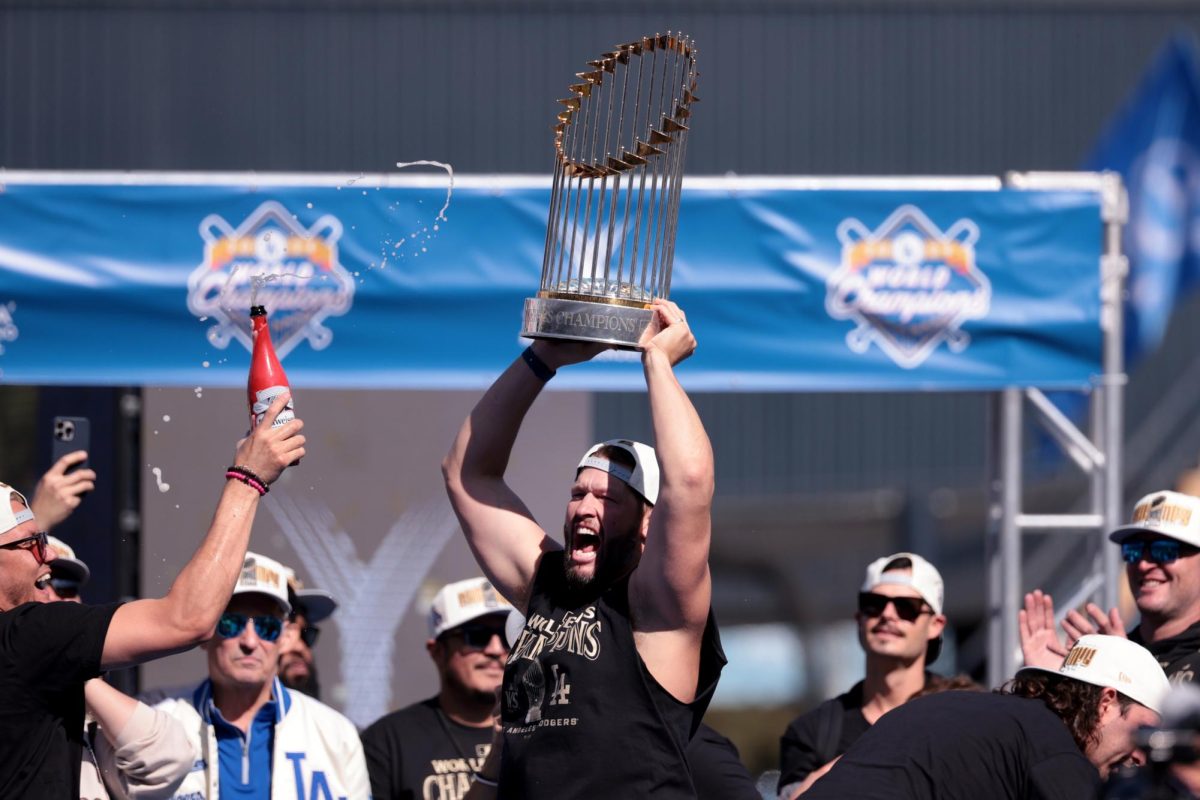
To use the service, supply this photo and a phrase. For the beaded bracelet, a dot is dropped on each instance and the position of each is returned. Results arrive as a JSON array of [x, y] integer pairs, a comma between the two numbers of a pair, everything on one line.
[[247, 477], [485, 781], [540, 369]]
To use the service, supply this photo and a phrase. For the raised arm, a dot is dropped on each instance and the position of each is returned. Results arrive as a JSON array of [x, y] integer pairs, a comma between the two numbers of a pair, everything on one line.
[[142, 752], [500, 530], [671, 589], [148, 629], [59, 492]]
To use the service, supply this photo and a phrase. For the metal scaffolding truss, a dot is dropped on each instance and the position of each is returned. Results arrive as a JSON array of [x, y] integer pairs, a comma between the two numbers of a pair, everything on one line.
[[1097, 453]]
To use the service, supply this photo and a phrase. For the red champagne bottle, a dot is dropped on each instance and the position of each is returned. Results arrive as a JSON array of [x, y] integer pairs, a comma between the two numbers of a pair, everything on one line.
[[267, 379]]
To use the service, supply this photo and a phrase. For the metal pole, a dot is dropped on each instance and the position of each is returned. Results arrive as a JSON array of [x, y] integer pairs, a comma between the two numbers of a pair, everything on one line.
[[992, 542], [1114, 267], [1010, 532]]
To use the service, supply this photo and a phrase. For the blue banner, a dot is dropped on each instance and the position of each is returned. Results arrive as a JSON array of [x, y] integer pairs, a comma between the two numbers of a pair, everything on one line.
[[397, 282], [1154, 142]]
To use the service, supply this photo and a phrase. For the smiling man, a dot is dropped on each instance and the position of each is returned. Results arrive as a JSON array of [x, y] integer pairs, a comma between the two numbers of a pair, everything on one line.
[[1161, 550], [429, 750], [619, 655], [900, 624], [48, 650], [258, 739], [1049, 735]]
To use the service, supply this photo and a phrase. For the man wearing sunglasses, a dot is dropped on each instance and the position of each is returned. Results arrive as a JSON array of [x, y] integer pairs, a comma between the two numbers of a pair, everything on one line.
[[297, 664], [620, 654], [1161, 550], [432, 748], [255, 737], [48, 650], [900, 626]]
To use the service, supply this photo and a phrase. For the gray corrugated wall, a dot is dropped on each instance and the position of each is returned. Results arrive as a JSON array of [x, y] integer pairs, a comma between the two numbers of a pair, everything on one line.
[[804, 88]]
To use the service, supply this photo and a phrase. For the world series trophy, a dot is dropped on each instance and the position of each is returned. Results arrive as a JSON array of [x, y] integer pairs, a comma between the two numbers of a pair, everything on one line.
[[614, 202]]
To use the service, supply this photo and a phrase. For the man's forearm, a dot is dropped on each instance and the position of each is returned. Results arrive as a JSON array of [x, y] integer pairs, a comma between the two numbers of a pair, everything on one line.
[[684, 451], [485, 440], [202, 590]]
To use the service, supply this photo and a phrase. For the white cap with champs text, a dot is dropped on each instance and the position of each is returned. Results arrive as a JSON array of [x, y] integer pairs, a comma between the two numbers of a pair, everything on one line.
[[1118, 663]]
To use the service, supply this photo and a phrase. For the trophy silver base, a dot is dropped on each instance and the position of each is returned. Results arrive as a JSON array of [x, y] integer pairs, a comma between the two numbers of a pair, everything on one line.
[[579, 320]]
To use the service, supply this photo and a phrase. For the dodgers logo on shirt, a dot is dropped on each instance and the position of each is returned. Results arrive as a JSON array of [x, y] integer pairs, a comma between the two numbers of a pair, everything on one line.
[[274, 261], [908, 285]]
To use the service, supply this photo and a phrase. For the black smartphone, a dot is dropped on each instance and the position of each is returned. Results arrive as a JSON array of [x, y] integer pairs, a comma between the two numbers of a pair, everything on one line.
[[70, 434]]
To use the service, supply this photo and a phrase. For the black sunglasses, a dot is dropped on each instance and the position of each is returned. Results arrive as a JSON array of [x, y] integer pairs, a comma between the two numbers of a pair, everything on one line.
[[35, 543], [309, 635], [267, 627], [907, 608], [477, 637], [1158, 551], [65, 588]]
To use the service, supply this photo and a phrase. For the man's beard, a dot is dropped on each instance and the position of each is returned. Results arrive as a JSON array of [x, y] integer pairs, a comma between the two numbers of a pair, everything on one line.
[[610, 564]]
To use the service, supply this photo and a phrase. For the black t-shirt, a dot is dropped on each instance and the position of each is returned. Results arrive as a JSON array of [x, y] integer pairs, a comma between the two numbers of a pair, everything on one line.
[[963, 746], [717, 770], [47, 652], [418, 753], [816, 737], [583, 717], [1179, 655]]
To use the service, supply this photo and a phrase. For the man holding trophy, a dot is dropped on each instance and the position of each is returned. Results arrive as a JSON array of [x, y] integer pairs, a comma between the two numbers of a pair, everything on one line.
[[619, 655]]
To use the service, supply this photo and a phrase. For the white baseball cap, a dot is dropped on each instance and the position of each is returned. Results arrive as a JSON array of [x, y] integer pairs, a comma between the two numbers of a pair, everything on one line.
[[645, 475], [1168, 513], [10, 519], [263, 575], [923, 577], [460, 602], [66, 562], [1117, 663]]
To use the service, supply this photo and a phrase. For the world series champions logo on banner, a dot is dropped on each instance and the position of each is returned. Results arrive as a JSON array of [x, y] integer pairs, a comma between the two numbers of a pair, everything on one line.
[[304, 281], [908, 285]]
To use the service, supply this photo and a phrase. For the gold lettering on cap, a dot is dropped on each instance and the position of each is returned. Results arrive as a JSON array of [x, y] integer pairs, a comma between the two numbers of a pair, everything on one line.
[[469, 597], [1164, 513], [266, 575], [1080, 656]]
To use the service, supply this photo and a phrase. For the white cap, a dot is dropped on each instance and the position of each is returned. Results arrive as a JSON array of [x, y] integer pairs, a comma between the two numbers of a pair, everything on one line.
[[644, 477], [10, 519], [923, 577], [262, 575], [1117, 663], [1168, 513], [460, 602], [66, 563]]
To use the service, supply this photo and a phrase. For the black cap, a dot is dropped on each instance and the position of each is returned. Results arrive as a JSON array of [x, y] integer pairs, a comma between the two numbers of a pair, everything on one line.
[[258, 311]]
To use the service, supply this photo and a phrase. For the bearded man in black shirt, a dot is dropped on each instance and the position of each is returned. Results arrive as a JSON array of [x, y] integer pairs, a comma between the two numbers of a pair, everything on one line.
[[429, 750], [1050, 735], [619, 655], [48, 649]]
